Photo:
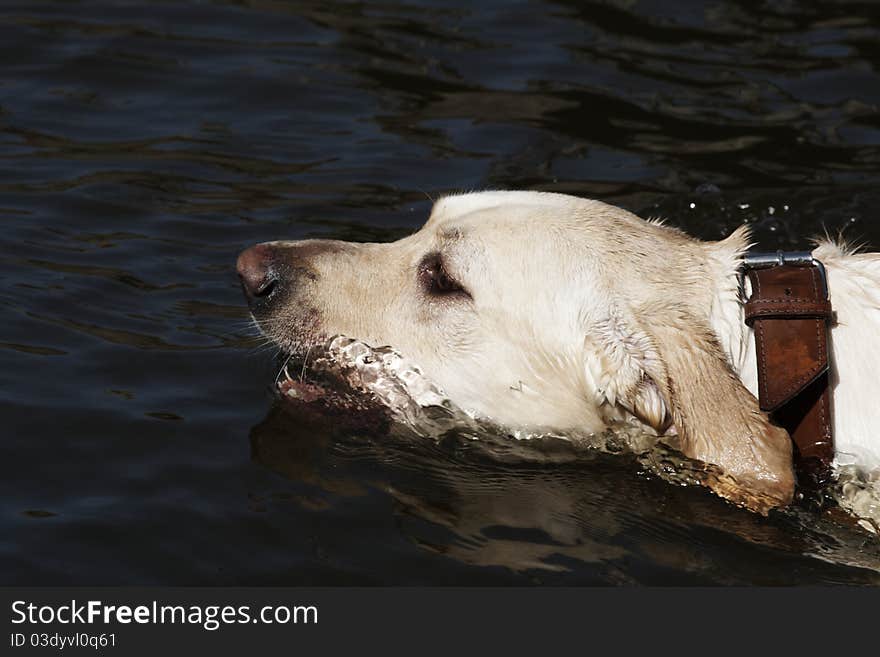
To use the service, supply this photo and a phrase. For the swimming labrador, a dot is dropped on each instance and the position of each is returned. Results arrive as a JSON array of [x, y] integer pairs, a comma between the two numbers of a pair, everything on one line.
[[548, 312]]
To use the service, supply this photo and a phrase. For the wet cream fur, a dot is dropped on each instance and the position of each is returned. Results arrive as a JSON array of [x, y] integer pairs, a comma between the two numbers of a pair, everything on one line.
[[582, 315]]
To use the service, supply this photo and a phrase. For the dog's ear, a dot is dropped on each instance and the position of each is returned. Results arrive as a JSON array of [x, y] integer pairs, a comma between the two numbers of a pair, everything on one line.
[[625, 366], [673, 375]]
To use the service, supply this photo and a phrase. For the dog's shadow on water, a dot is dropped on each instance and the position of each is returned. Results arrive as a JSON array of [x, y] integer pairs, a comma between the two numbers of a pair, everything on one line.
[[560, 514]]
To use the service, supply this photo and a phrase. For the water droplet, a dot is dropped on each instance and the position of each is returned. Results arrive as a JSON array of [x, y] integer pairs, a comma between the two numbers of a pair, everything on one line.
[[707, 188]]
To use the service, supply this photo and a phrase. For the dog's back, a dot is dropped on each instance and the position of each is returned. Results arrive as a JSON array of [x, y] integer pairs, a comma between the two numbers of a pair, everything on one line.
[[854, 287]]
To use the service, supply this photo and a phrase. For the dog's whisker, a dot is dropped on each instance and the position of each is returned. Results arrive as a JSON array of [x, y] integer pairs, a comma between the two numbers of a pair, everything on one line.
[[283, 369], [302, 374]]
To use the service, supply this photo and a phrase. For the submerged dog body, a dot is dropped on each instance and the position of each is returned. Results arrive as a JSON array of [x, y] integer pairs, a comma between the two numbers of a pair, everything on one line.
[[546, 312]]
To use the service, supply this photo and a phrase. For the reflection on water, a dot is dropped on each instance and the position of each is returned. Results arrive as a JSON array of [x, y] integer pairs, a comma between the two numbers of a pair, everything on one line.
[[554, 512], [142, 145]]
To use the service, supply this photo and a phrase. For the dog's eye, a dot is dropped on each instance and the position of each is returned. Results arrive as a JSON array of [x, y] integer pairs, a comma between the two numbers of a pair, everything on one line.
[[435, 280]]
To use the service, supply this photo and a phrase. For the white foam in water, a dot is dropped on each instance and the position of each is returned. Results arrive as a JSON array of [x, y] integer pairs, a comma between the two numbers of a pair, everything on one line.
[[397, 383], [415, 401], [858, 492]]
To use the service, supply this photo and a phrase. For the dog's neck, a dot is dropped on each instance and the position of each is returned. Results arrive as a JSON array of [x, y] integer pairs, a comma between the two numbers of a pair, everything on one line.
[[724, 262]]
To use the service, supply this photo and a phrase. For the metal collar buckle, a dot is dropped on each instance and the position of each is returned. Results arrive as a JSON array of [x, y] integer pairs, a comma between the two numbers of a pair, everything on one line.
[[780, 258]]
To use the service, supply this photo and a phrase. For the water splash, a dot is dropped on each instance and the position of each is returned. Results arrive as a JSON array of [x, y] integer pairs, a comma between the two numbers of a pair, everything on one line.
[[858, 492]]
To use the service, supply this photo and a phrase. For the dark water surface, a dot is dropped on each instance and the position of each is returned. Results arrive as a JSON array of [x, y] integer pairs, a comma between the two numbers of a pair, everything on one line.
[[142, 145]]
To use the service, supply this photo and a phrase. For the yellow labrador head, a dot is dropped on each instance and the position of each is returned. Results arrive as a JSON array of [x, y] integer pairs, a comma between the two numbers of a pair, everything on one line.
[[545, 312]]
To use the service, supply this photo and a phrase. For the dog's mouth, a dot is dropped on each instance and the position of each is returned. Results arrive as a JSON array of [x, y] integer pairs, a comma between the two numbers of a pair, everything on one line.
[[315, 377], [347, 374], [305, 390]]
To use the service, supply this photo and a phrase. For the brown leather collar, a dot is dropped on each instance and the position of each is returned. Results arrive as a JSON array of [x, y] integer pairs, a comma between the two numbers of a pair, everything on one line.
[[790, 313]]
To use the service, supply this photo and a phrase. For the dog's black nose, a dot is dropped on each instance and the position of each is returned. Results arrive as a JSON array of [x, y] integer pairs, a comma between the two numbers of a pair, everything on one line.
[[255, 269]]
